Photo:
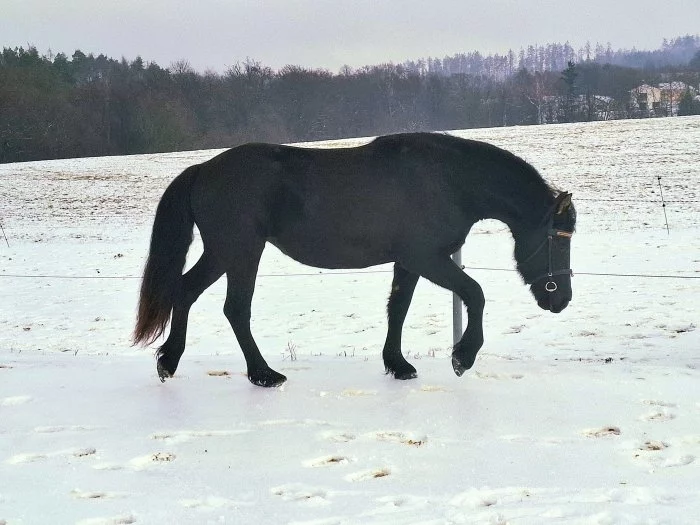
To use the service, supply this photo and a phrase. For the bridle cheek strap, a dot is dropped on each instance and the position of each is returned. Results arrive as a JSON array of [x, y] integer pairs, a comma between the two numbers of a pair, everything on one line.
[[550, 285]]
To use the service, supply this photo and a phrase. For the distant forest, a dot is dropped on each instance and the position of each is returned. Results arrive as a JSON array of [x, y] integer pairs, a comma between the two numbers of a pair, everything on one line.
[[55, 106]]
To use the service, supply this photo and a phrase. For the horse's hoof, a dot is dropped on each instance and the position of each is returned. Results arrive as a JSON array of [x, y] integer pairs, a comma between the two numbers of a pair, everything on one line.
[[406, 375], [397, 366], [163, 373], [407, 372], [460, 366], [267, 378]]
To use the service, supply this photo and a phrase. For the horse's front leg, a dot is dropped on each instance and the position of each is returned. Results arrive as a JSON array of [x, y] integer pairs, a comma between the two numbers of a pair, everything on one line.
[[445, 273], [464, 352], [402, 288]]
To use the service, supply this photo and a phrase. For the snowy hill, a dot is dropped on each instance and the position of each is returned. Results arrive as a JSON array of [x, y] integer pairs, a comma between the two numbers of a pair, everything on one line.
[[588, 417]]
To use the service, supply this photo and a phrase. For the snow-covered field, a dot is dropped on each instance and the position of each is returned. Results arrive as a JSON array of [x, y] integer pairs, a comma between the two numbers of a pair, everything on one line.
[[588, 417]]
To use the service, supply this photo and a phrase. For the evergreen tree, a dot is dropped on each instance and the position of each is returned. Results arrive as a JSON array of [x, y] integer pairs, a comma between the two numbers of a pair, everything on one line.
[[568, 76], [687, 105]]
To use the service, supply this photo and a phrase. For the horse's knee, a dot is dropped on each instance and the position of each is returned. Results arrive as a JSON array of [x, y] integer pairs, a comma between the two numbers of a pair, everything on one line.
[[236, 312], [475, 298]]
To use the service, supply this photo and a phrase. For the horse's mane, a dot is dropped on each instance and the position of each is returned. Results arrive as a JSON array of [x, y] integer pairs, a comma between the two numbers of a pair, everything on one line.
[[527, 169]]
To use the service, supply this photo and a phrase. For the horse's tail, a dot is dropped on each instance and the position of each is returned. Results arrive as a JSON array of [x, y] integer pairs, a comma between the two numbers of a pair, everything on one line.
[[162, 277]]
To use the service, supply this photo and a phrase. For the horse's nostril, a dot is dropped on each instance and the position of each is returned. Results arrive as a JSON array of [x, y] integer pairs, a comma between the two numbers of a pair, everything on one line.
[[555, 309]]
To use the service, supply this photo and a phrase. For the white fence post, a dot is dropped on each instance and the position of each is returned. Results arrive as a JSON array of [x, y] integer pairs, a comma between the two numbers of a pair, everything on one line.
[[457, 305]]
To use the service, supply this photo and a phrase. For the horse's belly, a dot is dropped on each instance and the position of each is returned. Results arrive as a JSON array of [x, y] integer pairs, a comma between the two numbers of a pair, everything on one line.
[[326, 252]]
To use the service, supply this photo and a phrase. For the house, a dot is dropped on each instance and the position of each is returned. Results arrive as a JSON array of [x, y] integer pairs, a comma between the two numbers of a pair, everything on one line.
[[672, 93], [646, 100], [660, 101]]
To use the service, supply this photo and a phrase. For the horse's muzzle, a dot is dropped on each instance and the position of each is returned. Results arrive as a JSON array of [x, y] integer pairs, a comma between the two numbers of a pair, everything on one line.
[[553, 306]]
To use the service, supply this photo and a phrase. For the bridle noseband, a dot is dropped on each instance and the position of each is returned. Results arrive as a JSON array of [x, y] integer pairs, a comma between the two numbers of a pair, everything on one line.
[[552, 233]]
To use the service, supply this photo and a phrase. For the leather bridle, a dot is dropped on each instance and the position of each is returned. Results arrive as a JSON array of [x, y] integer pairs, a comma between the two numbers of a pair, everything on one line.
[[552, 235]]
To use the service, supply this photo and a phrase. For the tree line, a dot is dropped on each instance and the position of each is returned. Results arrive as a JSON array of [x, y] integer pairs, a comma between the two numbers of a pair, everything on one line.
[[55, 106], [555, 57]]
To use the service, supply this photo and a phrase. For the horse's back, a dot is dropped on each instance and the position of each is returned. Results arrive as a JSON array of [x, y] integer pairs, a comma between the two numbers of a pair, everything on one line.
[[338, 208]]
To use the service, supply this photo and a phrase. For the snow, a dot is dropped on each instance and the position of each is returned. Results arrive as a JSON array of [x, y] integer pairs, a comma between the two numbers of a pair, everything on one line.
[[591, 416]]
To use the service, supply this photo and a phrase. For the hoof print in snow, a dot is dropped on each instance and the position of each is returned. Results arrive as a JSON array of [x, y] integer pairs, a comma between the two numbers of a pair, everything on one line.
[[161, 457], [218, 373], [144, 462], [83, 452], [327, 461], [184, 436], [654, 446], [602, 432], [302, 494], [658, 416], [369, 474], [400, 437], [81, 494]]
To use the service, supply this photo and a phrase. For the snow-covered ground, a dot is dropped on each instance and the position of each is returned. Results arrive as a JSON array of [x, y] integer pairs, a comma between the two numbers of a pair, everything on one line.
[[588, 417]]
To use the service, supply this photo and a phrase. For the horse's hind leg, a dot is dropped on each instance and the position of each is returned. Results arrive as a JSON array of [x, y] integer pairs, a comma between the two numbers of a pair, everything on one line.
[[239, 295], [202, 275], [402, 288]]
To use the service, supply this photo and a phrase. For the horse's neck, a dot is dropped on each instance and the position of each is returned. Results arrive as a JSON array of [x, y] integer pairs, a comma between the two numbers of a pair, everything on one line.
[[523, 212]]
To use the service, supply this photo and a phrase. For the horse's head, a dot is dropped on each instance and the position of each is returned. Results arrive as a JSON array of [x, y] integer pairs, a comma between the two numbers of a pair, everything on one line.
[[543, 256]]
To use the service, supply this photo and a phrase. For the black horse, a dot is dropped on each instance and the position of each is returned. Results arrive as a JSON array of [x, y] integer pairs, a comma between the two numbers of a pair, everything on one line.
[[410, 199]]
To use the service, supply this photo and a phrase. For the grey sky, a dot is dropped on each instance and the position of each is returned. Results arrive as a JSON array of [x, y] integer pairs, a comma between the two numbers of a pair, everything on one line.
[[323, 33]]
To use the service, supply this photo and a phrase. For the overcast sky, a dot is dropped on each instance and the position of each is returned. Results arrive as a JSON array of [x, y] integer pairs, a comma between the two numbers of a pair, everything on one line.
[[214, 34]]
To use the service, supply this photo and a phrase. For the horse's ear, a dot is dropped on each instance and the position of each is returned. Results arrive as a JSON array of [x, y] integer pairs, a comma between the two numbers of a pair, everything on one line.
[[563, 202]]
